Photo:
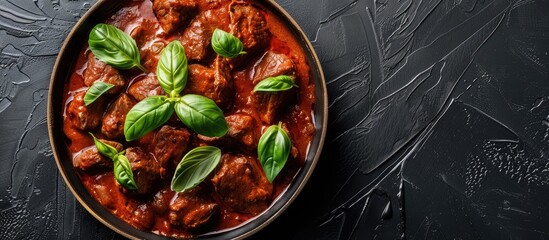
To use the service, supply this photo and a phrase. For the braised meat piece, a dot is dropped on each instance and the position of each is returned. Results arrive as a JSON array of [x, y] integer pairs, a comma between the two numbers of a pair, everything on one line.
[[98, 71], [192, 209], [173, 14], [103, 195], [269, 104], [160, 202], [85, 117], [249, 25], [145, 169], [145, 87], [293, 151], [149, 41], [242, 184], [271, 65], [142, 217], [170, 143], [196, 38], [215, 84], [113, 120], [89, 158], [242, 129]]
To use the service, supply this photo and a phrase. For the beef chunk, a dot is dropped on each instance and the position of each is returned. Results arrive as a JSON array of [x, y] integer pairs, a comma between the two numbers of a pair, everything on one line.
[[293, 151], [149, 41], [146, 87], [103, 195], [85, 117], [249, 25], [142, 217], [98, 71], [173, 14], [145, 169], [196, 38], [271, 65], [242, 184], [269, 104], [90, 158], [160, 202], [215, 84], [170, 143], [113, 120], [242, 129], [192, 208]]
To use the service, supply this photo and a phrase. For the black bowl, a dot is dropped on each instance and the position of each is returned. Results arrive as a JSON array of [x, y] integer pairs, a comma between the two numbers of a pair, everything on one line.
[[103, 9]]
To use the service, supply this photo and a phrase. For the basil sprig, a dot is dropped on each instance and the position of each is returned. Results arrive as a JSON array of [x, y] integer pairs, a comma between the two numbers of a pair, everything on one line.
[[199, 113], [195, 166], [226, 45], [275, 84], [114, 47], [122, 167], [104, 149], [172, 68], [95, 91], [146, 116], [202, 115], [273, 150], [123, 172]]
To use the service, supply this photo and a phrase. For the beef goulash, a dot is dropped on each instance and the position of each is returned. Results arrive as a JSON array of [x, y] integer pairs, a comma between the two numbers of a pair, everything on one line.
[[186, 117]]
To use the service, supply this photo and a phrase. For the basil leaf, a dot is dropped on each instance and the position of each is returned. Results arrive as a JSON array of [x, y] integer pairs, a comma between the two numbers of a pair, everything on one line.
[[123, 172], [95, 91], [195, 167], [104, 149], [172, 68], [114, 47], [202, 115], [273, 150], [226, 45], [122, 168], [147, 115], [275, 84]]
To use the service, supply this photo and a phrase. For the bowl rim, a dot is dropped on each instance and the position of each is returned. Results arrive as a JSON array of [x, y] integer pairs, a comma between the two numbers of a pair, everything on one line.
[[301, 36]]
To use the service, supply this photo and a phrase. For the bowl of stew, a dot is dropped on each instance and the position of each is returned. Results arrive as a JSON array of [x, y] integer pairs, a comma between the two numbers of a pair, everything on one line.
[[208, 127]]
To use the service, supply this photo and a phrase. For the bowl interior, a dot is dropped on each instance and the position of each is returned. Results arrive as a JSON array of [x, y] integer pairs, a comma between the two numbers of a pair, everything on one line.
[[103, 9]]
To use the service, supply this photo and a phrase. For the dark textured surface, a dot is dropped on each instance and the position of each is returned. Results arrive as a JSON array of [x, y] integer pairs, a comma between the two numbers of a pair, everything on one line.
[[439, 122]]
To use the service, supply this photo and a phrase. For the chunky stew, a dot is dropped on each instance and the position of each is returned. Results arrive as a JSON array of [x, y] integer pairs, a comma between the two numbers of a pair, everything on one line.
[[238, 188]]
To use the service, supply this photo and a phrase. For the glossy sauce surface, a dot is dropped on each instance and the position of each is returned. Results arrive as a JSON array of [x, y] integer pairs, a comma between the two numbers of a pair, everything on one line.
[[296, 117]]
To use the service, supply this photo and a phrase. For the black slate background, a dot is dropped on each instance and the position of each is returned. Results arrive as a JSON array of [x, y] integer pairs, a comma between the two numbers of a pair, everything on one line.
[[439, 122]]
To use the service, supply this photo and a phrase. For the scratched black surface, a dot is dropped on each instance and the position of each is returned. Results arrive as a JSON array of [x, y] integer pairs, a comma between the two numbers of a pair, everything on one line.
[[438, 128]]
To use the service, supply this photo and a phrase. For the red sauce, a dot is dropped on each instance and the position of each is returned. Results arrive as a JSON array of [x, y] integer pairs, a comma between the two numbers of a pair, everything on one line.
[[297, 118]]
